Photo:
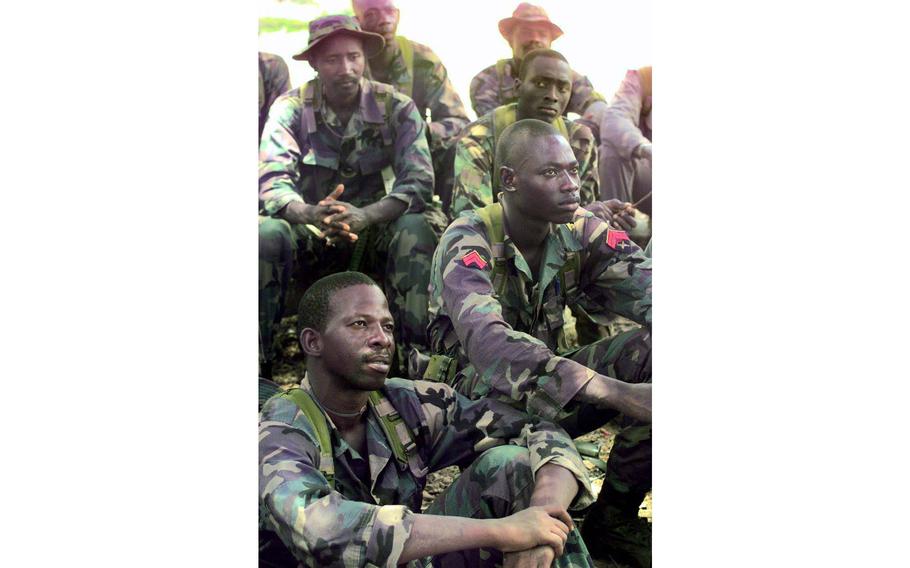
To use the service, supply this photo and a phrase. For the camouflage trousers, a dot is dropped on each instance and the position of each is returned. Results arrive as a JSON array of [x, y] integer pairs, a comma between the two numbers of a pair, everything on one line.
[[498, 484], [396, 254], [626, 357]]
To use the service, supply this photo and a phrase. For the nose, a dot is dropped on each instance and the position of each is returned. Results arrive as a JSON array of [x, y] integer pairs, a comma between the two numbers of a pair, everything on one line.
[[379, 337], [552, 92], [348, 67], [570, 182]]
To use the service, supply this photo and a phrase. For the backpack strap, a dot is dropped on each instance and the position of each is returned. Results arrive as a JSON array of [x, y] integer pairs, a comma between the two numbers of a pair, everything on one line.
[[407, 54], [491, 215], [308, 116], [382, 94], [397, 433], [311, 410], [569, 273]]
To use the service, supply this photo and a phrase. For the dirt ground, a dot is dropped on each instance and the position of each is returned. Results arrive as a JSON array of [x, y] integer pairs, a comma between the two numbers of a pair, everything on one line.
[[291, 367]]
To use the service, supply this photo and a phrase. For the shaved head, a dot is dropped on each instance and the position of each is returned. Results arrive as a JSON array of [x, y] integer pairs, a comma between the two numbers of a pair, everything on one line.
[[513, 144]]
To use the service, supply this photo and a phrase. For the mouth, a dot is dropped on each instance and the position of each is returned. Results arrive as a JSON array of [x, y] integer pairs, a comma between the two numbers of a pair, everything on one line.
[[347, 84], [379, 363], [569, 204], [548, 111]]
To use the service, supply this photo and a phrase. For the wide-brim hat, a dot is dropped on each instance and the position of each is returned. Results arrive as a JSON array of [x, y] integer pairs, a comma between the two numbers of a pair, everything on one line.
[[527, 14], [323, 28]]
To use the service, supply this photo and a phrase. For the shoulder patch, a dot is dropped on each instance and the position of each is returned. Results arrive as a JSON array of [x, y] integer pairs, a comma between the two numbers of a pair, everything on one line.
[[473, 258], [618, 240]]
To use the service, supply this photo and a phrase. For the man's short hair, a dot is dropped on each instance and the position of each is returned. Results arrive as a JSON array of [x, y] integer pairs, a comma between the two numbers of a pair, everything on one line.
[[512, 144], [534, 54], [313, 309]]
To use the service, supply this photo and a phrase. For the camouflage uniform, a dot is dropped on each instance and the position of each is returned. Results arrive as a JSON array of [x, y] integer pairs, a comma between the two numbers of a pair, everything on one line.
[[303, 156], [429, 86], [495, 86], [626, 125], [367, 518], [476, 184], [274, 81], [510, 344]]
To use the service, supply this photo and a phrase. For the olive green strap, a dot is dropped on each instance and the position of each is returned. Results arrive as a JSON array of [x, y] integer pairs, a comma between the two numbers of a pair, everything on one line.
[[311, 410]]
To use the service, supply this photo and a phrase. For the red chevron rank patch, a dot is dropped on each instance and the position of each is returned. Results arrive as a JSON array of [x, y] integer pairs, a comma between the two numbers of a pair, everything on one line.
[[473, 259], [618, 240]]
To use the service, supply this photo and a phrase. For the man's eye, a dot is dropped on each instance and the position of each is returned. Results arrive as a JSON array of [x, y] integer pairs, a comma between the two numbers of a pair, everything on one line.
[[549, 172], [389, 327], [541, 84], [359, 323], [564, 89], [574, 171]]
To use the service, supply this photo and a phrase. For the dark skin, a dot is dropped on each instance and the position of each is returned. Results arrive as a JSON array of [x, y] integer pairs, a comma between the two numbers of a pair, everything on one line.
[[339, 61], [541, 189], [347, 360], [543, 93], [380, 17]]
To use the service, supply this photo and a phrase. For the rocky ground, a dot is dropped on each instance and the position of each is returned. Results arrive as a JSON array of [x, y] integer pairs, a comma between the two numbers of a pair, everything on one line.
[[291, 367]]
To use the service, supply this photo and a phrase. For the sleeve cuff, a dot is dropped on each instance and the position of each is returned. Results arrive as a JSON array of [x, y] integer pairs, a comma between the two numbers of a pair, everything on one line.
[[392, 526]]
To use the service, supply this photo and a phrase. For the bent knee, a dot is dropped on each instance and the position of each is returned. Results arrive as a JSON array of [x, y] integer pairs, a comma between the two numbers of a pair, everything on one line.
[[275, 240]]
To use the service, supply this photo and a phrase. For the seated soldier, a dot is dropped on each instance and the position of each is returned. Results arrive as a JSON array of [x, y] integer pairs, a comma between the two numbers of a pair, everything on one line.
[[415, 70], [329, 153], [502, 277], [530, 28], [543, 88], [274, 80], [344, 458]]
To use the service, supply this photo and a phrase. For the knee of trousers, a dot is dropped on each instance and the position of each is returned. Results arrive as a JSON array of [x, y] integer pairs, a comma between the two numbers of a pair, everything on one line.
[[633, 362], [275, 240], [413, 230], [504, 467]]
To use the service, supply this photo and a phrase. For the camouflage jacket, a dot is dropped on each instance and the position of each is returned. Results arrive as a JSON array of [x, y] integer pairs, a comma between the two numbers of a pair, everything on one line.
[[475, 182], [626, 123], [428, 84], [274, 81], [304, 155], [495, 86], [368, 517], [513, 339]]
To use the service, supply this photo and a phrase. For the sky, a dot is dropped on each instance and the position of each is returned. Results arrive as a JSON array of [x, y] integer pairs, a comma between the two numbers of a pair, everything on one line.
[[601, 40]]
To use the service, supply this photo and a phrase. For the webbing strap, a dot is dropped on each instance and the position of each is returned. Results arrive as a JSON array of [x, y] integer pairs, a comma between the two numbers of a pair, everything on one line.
[[309, 116], [491, 215], [311, 410], [506, 82], [407, 54], [397, 433]]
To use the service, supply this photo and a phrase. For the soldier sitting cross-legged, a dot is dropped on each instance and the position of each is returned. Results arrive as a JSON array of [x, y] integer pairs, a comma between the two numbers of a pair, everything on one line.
[[502, 278], [344, 459]]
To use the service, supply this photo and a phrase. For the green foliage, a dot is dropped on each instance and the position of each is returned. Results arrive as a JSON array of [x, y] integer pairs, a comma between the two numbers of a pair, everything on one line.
[[268, 25]]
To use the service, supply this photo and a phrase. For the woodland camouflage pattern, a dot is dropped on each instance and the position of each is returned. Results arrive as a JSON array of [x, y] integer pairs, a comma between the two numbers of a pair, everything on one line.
[[510, 346], [431, 89], [298, 166], [475, 150], [366, 520], [489, 89]]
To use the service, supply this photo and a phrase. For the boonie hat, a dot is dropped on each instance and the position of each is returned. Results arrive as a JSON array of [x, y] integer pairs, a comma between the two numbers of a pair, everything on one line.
[[527, 14], [328, 26]]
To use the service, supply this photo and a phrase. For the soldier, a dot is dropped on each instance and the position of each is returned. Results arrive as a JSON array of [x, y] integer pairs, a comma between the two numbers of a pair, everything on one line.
[[414, 70], [502, 277], [543, 88], [625, 166], [530, 28], [345, 137], [274, 81], [344, 459]]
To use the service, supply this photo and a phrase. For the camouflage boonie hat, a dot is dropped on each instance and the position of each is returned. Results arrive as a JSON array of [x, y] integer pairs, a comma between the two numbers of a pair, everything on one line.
[[328, 26], [527, 14]]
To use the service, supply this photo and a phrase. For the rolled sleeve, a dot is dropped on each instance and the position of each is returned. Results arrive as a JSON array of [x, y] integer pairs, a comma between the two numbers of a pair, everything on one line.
[[279, 156]]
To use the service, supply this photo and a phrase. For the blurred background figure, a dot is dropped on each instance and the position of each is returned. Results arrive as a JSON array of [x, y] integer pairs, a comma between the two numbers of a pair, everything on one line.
[[274, 81], [625, 148]]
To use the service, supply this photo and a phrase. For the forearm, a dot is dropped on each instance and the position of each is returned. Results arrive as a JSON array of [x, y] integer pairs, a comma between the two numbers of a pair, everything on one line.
[[432, 535], [295, 212], [554, 485], [385, 210]]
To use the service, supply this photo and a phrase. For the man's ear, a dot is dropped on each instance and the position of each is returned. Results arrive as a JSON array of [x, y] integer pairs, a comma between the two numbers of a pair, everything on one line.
[[507, 178], [311, 342]]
